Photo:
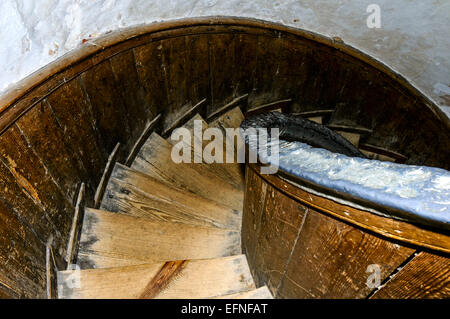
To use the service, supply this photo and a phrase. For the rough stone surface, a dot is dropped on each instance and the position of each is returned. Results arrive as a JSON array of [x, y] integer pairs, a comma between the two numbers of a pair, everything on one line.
[[413, 38]]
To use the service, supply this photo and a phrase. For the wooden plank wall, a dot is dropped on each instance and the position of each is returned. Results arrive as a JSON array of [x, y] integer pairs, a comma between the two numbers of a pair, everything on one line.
[[300, 252], [59, 134]]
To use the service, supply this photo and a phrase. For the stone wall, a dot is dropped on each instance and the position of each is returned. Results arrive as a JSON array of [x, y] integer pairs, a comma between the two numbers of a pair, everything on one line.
[[413, 38]]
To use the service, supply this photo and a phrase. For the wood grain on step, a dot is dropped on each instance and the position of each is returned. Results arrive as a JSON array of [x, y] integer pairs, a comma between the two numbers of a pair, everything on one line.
[[204, 278], [230, 172], [210, 278], [142, 240], [165, 275], [155, 160], [231, 119], [424, 276], [115, 282], [136, 194]]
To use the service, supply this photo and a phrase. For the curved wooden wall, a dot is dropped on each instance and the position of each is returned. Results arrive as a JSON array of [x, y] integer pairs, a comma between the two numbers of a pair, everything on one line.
[[59, 125], [306, 246]]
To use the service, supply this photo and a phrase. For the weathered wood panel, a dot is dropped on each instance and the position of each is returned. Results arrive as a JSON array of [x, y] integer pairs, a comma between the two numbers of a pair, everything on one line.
[[108, 109], [281, 223], [384, 226], [7, 293], [254, 200], [246, 57], [292, 72], [198, 62], [137, 109], [223, 64], [47, 140], [53, 216], [73, 111], [176, 73], [331, 258], [265, 77], [425, 276], [131, 192], [124, 239], [149, 64]]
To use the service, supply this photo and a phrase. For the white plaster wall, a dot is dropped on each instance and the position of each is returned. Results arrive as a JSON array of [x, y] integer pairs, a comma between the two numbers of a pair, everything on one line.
[[413, 38]]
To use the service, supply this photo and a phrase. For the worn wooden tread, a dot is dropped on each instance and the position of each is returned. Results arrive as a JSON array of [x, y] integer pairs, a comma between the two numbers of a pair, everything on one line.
[[205, 278], [155, 160], [259, 293], [230, 119], [114, 239], [232, 172], [240, 100], [134, 193]]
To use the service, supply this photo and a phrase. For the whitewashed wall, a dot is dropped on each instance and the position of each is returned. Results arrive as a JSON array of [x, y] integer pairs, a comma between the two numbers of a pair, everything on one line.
[[413, 38]]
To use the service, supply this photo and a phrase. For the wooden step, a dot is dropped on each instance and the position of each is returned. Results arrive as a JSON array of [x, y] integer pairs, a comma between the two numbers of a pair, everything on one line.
[[281, 106], [134, 193], [316, 119], [318, 116], [193, 279], [382, 154], [351, 137], [259, 293], [155, 160], [114, 239], [232, 172], [231, 119]]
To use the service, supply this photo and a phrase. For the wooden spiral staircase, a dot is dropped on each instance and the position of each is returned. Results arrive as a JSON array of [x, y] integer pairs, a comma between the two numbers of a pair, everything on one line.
[[165, 230], [158, 229]]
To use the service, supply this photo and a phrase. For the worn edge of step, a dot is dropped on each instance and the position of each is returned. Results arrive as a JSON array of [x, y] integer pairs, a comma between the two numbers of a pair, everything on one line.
[[197, 209], [227, 107], [142, 138], [114, 247], [184, 117], [269, 107], [229, 172], [166, 279], [105, 177], [148, 162], [75, 230]]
